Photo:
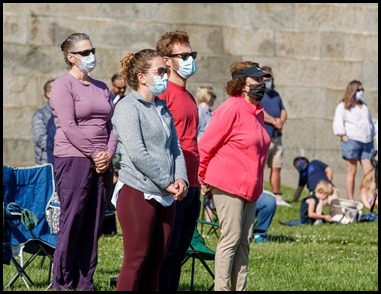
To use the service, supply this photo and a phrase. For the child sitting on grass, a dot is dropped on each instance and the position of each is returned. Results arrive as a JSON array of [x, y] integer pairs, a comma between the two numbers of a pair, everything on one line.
[[369, 190], [311, 208]]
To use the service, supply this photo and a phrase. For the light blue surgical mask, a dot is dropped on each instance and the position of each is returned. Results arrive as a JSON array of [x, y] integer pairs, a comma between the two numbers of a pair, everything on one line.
[[187, 67], [88, 63], [269, 85], [160, 84], [360, 95]]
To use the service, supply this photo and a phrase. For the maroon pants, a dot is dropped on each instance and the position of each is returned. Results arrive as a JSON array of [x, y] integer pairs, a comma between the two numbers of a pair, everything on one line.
[[83, 195], [146, 227]]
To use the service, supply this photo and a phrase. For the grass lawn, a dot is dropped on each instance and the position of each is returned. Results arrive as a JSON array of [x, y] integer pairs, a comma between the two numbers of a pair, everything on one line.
[[328, 257]]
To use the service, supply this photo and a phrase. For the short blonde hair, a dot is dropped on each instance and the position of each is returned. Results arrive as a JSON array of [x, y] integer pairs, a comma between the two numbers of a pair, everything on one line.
[[204, 94], [324, 187]]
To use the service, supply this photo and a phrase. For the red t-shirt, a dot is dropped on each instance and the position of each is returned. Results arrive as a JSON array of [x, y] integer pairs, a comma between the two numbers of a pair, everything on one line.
[[183, 107]]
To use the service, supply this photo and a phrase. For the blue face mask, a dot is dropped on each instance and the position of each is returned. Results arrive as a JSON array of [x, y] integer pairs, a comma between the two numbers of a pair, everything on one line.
[[187, 68], [160, 84], [301, 165], [88, 63]]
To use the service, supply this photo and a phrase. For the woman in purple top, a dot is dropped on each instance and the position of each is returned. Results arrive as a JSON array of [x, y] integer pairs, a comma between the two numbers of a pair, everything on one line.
[[84, 146]]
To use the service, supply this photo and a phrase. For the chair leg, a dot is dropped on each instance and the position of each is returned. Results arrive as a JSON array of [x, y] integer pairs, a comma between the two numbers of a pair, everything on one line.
[[192, 274], [21, 273], [42, 261], [207, 268]]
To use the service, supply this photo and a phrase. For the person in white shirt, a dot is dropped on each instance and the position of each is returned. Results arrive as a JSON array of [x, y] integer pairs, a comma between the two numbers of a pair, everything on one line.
[[353, 124]]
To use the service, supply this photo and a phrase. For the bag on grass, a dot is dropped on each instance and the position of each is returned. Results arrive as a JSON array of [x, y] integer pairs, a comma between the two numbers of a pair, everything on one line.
[[344, 211]]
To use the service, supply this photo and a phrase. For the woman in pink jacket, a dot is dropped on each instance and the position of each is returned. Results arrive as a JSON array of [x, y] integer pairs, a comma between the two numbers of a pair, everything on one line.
[[232, 156]]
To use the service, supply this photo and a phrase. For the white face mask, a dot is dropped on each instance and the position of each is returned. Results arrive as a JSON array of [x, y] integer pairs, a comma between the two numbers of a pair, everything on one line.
[[269, 85], [360, 95], [187, 67], [88, 63], [160, 84]]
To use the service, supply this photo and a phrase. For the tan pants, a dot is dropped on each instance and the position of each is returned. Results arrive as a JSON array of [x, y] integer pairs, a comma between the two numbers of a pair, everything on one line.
[[236, 219]]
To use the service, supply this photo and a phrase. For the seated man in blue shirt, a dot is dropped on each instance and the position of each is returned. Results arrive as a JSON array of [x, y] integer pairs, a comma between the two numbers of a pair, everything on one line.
[[265, 210]]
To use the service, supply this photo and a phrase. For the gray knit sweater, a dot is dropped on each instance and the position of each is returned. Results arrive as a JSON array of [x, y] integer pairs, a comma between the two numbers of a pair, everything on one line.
[[151, 158]]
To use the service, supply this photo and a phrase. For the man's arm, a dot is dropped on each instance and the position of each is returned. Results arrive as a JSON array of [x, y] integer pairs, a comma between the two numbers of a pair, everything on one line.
[[279, 122], [298, 192], [329, 173], [39, 130], [268, 118], [283, 116]]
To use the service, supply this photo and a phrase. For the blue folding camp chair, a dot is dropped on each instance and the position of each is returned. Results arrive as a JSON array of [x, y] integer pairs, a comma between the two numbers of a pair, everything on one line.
[[26, 193]]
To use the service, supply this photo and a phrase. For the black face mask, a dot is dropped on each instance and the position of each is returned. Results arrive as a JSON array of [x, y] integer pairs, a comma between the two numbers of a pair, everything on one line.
[[257, 91]]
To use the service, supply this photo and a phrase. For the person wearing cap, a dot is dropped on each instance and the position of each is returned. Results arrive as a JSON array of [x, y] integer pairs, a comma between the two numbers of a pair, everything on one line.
[[232, 157], [310, 174], [275, 117]]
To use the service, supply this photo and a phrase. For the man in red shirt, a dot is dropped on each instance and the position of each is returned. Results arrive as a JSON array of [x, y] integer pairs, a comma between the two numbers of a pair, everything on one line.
[[180, 59]]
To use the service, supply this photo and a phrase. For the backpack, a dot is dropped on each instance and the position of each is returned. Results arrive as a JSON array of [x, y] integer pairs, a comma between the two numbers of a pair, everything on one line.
[[52, 214]]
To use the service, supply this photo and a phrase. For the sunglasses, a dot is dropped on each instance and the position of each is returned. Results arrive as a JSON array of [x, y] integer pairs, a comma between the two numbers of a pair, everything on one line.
[[184, 56], [360, 89], [85, 52], [160, 71]]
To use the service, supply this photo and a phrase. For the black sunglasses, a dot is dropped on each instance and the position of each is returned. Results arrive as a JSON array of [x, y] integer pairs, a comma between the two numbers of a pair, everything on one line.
[[85, 52], [160, 71], [184, 56]]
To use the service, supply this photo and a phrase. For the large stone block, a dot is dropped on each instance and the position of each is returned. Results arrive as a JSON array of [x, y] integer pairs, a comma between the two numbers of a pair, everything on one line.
[[248, 41], [17, 123], [297, 44], [328, 17], [18, 153], [14, 28], [332, 45]]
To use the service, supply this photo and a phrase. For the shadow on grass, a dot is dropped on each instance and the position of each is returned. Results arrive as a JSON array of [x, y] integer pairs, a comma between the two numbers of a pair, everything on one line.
[[281, 239]]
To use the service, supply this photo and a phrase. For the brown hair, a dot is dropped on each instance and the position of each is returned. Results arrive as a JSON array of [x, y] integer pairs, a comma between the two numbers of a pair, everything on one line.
[[134, 63], [116, 76], [69, 45], [234, 87], [48, 87], [165, 44], [349, 98], [267, 68]]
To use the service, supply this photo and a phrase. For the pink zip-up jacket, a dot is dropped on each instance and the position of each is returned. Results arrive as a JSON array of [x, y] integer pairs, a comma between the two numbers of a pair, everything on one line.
[[233, 149]]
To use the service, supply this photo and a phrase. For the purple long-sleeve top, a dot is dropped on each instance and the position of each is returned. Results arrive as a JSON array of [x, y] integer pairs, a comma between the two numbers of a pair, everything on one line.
[[82, 115]]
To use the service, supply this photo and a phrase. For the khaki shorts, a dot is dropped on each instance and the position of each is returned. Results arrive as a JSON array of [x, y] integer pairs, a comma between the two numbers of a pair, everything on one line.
[[275, 154]]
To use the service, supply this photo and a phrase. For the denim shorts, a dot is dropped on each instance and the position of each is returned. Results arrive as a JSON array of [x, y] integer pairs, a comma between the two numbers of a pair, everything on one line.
[[352, 149]]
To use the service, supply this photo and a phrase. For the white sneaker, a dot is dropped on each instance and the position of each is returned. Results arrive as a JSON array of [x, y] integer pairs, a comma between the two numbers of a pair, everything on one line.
[[282, 202]]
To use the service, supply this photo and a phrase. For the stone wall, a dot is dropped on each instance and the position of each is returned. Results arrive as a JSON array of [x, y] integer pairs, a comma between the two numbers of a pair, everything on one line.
[[314, 50]]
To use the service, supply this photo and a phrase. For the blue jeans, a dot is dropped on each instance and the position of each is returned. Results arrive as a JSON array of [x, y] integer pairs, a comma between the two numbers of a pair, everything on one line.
[[265, 211]]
